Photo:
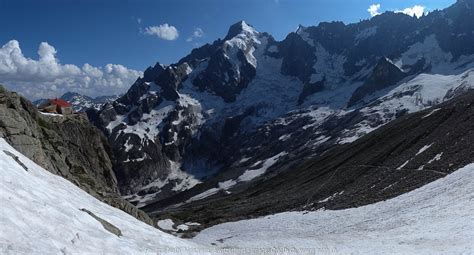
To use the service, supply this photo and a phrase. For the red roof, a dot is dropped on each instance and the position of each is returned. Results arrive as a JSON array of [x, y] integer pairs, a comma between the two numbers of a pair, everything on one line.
[[60, 102]]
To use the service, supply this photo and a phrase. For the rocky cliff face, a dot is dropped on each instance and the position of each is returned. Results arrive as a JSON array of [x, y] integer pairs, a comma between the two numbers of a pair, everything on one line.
[[384, 75], [68, 146]]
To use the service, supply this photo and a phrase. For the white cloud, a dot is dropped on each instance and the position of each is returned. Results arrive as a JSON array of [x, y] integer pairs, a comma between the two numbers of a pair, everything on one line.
[[198, 33], [47, 77], [164, 31], [374, 10], [139, 20], [415, 11]]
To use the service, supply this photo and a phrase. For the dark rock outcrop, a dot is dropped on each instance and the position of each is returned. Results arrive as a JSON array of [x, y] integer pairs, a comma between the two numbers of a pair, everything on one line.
[[170, 81], [298, 57], [311, 88], [107, 225], [151, 73], [384, 75]]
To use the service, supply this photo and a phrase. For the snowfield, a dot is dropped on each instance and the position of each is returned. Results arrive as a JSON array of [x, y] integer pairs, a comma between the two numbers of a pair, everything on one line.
[[437, 218], [40, 214]]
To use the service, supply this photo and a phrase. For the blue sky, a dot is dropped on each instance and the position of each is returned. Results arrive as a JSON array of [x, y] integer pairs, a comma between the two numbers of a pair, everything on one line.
[[99, 32]]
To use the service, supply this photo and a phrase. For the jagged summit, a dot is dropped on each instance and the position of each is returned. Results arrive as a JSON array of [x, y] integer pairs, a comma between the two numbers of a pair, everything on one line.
[[300, 29], [239, 28], [152, 72]]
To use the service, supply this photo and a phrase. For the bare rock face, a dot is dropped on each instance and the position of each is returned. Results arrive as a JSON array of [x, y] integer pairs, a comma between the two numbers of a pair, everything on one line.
[[384, 75], [298, 57], [68, 146]]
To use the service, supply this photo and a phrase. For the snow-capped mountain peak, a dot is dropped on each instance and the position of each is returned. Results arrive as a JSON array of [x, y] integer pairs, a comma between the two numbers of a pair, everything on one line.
[[240, 27], [245, 40]]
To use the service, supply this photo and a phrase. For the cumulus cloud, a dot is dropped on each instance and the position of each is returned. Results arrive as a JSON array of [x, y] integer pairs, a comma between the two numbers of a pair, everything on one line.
[[198, 33], [47, 77], [164, 31], [415, 11], [374, 10]]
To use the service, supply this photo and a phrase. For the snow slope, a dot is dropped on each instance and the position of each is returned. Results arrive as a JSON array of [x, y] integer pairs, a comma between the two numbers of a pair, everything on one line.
[[40, 214], [436, 218], [418, 93]]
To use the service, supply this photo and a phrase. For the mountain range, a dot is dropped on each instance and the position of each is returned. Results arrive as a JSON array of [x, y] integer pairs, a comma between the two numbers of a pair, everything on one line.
[[81, 103], [335, 116], [239, 109]]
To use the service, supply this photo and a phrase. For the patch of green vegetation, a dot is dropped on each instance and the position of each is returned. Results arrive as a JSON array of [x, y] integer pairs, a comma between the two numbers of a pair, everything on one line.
[[82, 177], [43, 123], [85, 180]]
